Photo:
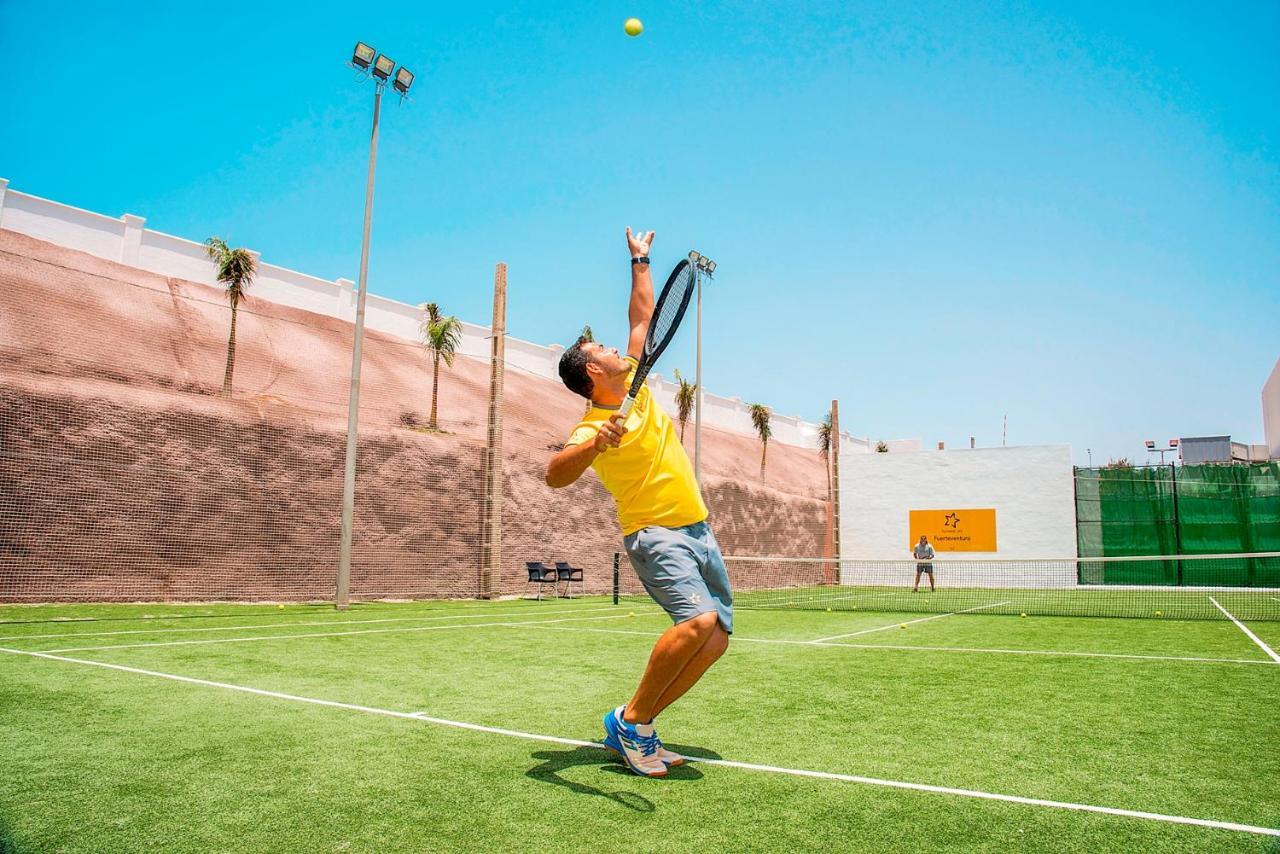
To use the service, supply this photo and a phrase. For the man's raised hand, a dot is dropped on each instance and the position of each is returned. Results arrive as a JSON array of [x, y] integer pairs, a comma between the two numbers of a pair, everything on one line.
[[639, 243]]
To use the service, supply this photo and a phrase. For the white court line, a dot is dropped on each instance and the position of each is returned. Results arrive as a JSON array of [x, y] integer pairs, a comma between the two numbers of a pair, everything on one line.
[[858, 596], [1070, 654], [908, 622], [1242, 627], [727, 763], [330, 634], [287, 623]]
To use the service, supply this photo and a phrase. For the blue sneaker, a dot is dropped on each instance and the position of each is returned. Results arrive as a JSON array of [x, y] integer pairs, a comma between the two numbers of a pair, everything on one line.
[[635, 743], [668, 757]]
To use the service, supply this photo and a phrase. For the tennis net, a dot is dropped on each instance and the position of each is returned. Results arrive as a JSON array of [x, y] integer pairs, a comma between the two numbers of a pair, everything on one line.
[[1181, 587]]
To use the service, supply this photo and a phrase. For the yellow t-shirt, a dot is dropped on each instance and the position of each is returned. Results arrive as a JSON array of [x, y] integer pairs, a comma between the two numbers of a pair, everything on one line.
[[649, 474]]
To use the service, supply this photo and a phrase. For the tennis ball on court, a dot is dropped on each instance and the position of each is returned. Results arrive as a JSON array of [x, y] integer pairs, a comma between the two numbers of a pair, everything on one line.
[[633, 26], [1159, 613], [828, 610], [903, 626], [631, 613], [1022, 615], [281, 607]]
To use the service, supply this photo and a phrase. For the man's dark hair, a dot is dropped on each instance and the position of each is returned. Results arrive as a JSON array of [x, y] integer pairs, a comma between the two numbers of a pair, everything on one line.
[[573, 369]]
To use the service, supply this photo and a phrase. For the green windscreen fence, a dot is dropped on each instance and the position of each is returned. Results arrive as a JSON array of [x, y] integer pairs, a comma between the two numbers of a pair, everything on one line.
[[1187, 510]]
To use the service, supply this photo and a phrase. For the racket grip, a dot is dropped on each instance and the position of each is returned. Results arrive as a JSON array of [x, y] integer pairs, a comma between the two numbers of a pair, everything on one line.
[[625, 409]]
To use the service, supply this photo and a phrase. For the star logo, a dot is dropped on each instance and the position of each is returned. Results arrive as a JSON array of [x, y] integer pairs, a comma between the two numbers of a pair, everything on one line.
[[951, 520]]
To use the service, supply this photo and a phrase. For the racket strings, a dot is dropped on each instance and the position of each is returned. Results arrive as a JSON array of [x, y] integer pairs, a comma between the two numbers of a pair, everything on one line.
[[672, 308]]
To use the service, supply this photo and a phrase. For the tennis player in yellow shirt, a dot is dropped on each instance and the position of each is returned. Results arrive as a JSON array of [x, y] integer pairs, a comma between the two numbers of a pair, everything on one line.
[[641, 462]]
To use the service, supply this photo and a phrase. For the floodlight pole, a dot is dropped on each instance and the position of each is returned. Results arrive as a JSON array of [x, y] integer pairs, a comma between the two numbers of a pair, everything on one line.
[[697, 391], [703, 267], [353, 406]]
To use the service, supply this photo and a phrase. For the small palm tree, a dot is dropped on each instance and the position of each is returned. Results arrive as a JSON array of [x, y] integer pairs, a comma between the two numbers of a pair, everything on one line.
[[587, 334], [882, 447], [236, 268], [824, 446], [441, 335], [760, 416], [685, 397]]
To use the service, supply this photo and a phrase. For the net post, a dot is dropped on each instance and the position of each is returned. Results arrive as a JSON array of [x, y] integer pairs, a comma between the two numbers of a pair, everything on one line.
[[491, 535], [617, 558]]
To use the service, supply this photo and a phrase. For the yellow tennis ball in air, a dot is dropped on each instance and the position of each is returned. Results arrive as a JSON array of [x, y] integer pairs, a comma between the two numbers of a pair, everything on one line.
[[633, 27]]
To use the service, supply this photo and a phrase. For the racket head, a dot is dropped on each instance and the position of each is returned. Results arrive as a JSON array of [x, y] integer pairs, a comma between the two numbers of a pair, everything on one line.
[[668, 311]]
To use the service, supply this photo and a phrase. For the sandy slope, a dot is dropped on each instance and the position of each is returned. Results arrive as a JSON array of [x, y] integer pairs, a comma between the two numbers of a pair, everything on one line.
[[124, 474]]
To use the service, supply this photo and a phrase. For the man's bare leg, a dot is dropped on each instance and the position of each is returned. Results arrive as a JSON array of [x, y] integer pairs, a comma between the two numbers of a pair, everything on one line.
[[687, 678], [915, 588], [673, 651]]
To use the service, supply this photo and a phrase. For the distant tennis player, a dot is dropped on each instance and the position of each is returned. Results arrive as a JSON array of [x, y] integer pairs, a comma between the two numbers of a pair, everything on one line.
[[923, 552], [640, 461]]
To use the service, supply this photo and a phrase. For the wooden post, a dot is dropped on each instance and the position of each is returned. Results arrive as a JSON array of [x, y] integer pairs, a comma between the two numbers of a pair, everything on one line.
[[491, 534], [835, 484]]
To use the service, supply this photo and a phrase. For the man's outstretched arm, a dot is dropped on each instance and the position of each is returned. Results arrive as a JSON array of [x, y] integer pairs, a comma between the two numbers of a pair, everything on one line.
[[640, 309]]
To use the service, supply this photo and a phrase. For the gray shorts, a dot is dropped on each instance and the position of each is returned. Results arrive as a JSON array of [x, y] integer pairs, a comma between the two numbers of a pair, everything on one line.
[[924, 567], [683, 571]]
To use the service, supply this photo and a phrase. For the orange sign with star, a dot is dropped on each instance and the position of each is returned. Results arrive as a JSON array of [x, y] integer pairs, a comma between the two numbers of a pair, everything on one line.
[[958, 529]]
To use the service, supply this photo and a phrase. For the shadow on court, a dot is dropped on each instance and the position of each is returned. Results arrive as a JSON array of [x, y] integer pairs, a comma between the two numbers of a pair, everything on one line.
[[9, 844], [553, 762]]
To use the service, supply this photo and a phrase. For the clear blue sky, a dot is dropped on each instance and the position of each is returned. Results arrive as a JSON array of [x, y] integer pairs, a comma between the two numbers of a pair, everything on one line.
[[937, 213]]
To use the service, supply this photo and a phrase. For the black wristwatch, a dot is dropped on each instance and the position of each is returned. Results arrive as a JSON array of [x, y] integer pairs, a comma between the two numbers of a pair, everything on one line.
[[643, 259]]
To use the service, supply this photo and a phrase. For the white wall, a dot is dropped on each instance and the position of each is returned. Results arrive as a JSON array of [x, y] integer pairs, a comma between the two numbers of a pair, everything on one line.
[[127, 241], [1031, 489], [1271, 412]]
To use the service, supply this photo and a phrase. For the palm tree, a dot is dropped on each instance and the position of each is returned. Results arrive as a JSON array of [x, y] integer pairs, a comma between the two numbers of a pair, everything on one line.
[[760, 416], [236, 268], [685, 396], [824, 446], [587, 334], [882, 447], [441, 335]]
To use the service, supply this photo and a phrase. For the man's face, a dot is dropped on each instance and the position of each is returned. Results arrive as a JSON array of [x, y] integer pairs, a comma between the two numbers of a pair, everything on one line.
[[607, 359]]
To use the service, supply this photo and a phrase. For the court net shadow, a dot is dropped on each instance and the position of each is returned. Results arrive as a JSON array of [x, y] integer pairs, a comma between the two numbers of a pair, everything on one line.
[[554, 762]]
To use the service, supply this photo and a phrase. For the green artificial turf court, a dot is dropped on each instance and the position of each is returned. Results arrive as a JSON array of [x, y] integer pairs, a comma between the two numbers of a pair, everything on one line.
[[466, 726]]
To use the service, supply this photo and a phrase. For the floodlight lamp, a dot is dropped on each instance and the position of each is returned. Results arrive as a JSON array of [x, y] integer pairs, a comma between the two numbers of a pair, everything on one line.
[[711, 266], [1151, 444], [383, 66], [362, 56], [1173, 443], [694, 257], [404, 79]]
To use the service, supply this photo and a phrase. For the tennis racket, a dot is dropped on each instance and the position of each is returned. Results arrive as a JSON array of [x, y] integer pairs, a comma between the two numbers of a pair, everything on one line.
[[668, 311]]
